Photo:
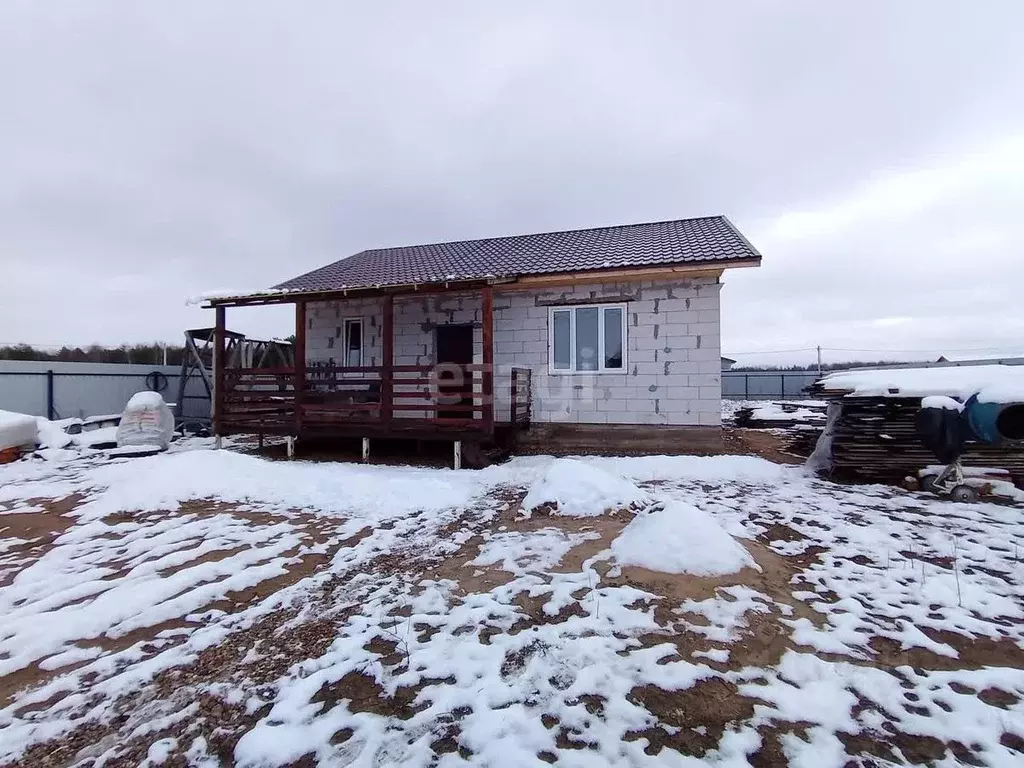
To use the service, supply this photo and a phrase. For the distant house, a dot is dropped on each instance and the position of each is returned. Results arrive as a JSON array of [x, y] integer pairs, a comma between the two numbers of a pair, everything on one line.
[[605, 338], [727, 363]]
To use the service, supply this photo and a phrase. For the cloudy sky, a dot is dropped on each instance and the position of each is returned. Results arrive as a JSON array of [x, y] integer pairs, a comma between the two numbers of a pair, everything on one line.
[[873, 152]]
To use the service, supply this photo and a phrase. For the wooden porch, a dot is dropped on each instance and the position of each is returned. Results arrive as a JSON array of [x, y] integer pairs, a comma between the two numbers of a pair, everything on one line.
[[442, 401], [382, 401]]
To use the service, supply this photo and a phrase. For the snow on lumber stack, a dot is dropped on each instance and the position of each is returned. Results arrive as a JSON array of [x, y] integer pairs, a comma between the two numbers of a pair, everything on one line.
[[873, 433], [574, 489], [17, 431], [992, 383], [679, 538], [875, 439]]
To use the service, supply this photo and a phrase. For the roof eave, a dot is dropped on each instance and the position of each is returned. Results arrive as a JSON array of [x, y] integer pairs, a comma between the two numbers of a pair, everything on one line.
[[292, 296], [457, 284]]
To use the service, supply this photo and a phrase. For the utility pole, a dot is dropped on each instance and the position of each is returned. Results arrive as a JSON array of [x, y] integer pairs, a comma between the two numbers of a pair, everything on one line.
[[819, 361]]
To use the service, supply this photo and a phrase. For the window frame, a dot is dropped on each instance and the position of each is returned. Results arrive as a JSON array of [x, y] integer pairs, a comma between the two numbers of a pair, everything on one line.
[[345, 325], [572, 369]]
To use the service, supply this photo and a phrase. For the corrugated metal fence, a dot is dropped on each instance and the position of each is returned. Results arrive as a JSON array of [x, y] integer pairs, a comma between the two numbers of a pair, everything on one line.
[[763, 385], [64, 390]]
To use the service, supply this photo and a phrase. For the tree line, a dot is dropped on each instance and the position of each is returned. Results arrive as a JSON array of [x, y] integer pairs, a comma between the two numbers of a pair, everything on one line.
[[140, 354]]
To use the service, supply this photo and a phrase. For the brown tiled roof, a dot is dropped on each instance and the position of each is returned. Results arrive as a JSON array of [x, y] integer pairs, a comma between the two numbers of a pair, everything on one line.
[[711, 239]]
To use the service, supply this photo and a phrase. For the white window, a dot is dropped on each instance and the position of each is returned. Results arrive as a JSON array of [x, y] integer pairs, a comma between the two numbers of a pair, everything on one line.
[[587, 339], [352, 342]]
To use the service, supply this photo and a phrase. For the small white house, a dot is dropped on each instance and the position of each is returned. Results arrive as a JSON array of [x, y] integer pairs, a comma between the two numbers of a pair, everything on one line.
[[598, 338]]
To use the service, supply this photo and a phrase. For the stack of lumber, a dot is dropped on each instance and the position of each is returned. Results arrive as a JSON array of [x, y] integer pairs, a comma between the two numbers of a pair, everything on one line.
[[802, 439], [875, 439]]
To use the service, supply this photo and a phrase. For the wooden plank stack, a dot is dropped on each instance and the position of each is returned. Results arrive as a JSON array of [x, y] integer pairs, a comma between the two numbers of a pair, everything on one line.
[[802, 439], [875, 440]]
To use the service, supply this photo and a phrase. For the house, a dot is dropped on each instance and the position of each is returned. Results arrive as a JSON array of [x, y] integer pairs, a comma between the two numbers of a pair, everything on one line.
[[605, 338], [727, 363]]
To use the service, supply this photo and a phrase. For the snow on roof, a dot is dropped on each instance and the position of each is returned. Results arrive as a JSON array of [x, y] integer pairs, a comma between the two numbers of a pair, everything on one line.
[[228, 293], [992, 383]]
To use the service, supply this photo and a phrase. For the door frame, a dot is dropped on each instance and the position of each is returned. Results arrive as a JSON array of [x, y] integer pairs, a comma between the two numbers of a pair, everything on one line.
[[466, 390]]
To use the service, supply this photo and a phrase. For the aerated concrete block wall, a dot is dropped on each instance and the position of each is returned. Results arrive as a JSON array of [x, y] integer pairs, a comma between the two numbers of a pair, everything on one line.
[[325, 323], [673, 343], [673, 358]]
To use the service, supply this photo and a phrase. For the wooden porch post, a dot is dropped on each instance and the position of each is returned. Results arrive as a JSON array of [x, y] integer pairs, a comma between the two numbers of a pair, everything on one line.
[[387, 379], [217, 402], [487, 383], [300, 361]]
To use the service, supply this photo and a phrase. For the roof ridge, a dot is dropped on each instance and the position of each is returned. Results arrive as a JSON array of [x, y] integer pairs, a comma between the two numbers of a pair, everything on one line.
[[539, 234]]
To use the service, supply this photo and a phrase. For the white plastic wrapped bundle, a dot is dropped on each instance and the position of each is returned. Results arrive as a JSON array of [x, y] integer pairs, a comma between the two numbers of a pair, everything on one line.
[[17, 431], [146, 421]]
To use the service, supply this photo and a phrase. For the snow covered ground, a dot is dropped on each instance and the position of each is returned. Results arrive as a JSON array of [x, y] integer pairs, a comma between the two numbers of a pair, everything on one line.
[[212, 608], [804, 411]]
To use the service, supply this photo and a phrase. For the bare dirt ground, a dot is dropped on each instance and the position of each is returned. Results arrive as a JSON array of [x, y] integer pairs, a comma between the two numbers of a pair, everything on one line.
[[770, 445]]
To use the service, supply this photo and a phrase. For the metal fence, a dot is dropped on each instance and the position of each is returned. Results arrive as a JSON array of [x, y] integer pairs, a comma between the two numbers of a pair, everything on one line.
[[764, 385], [63, 390]]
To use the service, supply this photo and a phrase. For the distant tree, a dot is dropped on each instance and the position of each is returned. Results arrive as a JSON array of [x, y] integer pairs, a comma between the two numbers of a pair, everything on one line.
[[18, 352], [142, 354]]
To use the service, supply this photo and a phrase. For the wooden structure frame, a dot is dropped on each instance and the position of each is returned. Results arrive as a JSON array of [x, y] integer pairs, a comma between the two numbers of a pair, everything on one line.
[[198, 358], [381, 401]]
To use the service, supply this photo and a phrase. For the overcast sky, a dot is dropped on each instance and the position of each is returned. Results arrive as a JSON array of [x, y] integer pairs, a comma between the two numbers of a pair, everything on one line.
[[872, 151]]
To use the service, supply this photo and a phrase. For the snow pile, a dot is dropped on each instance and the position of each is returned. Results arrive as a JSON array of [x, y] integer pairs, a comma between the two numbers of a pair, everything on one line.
[[146, 421], [51, 434], [575, 489], [17, 430], [106, 437], [167, 480], [679, 538], [992, 383]]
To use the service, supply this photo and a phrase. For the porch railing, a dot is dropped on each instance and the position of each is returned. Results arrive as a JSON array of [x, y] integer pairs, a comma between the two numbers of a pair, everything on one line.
[[444, 395], [521, 399]]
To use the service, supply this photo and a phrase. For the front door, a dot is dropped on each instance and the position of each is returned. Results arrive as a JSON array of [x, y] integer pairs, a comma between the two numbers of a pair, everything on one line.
[[454, 345]]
